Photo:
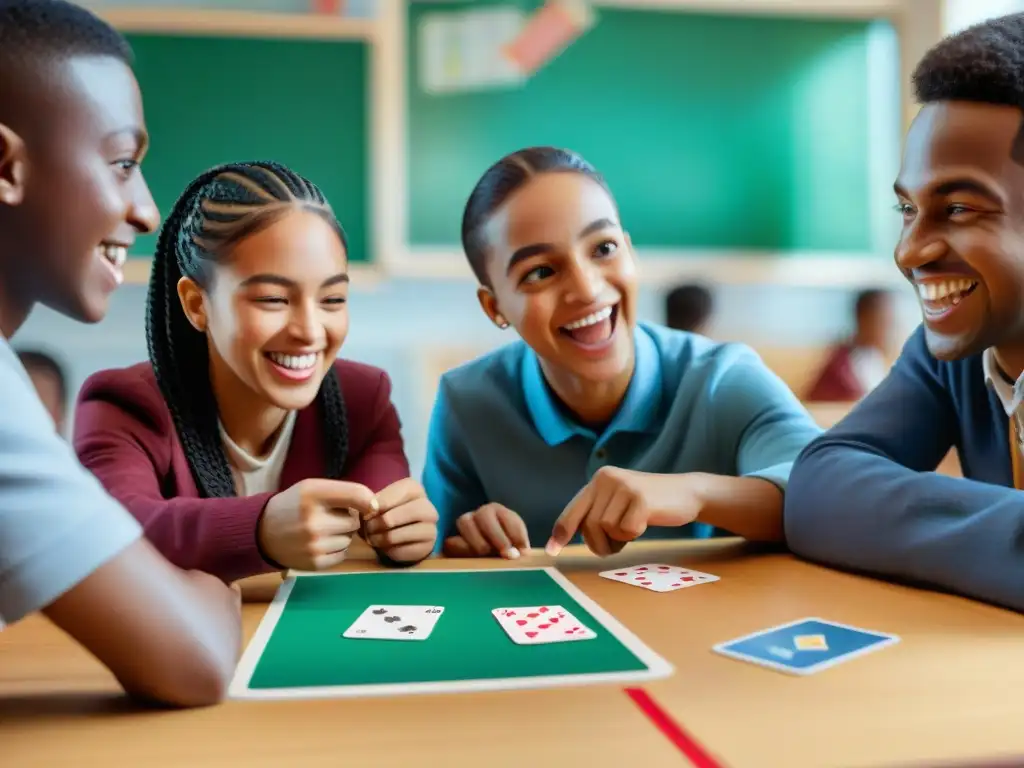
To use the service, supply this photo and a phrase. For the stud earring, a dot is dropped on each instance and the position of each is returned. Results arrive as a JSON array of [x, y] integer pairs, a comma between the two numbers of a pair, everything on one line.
[[502, 322]]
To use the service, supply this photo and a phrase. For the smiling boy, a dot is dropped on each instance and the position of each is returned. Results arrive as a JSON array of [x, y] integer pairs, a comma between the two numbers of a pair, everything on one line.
[[72, 200], [865, 495]]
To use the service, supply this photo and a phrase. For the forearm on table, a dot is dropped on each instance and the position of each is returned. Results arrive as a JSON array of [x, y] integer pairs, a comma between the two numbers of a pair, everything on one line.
[[750, 507], [882, 518], [146, 621]]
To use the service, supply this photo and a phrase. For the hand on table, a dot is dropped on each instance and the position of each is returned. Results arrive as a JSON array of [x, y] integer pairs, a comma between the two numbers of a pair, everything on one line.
[[618, 505], [310, 526], [492, 529], [404, 527]]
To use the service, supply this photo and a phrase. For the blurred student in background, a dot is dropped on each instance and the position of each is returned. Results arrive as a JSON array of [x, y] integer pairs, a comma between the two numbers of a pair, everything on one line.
[[690, 308], [858, 365], [50, 382], [592, 421]]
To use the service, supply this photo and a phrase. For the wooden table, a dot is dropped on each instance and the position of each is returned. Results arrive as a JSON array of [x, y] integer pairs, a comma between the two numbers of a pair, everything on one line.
[[950, 691]]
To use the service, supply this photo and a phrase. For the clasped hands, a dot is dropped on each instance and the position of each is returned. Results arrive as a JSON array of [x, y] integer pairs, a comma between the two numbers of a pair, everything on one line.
[[614, 508], [311, 525]]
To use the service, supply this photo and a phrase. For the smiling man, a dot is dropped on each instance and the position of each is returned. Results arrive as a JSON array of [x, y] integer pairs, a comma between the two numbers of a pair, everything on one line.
[[865, 495]]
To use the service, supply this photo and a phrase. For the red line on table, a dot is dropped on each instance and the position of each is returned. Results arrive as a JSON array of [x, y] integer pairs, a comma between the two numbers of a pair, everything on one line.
[[663, 721]]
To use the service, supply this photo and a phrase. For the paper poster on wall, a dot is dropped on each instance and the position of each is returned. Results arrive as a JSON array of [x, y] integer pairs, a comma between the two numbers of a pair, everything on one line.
[[328, 7], [548, 32], [464, 51]]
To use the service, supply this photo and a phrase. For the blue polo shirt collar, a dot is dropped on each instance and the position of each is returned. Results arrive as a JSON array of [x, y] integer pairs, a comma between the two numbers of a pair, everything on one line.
[[638, 412]]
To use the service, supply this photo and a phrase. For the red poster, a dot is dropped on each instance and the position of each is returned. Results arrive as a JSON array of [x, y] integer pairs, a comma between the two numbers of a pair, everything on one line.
[[548, 32]]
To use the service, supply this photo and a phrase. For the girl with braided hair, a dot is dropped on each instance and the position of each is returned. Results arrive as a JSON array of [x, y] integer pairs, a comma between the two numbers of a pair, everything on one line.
[[243, 445]]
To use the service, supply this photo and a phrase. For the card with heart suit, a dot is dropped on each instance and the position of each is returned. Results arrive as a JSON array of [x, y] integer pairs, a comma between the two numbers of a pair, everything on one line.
[[395, 622], [536, 624], [658, 577]]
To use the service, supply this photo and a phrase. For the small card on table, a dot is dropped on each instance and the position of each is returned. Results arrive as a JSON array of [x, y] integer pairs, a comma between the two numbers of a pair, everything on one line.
[[806, 646], [395, 622], [658, 577], [536, 624]]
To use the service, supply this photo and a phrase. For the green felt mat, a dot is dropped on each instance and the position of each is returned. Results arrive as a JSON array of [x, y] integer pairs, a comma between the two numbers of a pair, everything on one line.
[[299, 651]]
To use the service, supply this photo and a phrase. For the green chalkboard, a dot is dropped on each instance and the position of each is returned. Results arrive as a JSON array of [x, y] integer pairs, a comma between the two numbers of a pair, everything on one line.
[[300, 651], [210, 100], [713, 131]]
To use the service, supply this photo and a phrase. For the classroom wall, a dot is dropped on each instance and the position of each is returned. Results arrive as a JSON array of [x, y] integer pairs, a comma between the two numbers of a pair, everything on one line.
[[960, 14]]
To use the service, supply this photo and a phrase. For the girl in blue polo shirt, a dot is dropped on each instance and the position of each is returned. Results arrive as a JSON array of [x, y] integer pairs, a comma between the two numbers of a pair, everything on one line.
[[591, 422]]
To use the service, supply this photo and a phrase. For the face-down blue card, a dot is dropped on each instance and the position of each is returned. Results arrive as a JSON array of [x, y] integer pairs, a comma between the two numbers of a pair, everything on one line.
[[806, 646]]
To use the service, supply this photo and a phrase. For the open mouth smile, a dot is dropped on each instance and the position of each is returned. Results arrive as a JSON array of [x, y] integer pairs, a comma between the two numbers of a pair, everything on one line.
[[595, 331], [940, 298], [117, 255], [114, 257], [293, 367]]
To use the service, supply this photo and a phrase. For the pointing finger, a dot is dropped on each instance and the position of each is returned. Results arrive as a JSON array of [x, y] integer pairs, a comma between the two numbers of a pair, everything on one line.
[[569, 521]]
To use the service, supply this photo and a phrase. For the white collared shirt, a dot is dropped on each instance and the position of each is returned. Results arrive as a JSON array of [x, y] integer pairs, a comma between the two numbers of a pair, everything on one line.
[[1010, 395]]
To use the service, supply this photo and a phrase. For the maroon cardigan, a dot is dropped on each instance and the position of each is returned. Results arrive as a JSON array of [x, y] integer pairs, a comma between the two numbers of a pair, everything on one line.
[[125, 435]]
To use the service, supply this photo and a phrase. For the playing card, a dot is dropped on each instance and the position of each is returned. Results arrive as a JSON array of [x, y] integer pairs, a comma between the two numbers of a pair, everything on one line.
[[395, 622], [532, 625], [658, 577], [806, 646]]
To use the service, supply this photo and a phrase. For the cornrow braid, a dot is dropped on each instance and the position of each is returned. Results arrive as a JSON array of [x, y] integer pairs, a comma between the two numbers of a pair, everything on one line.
[[219, 209]]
